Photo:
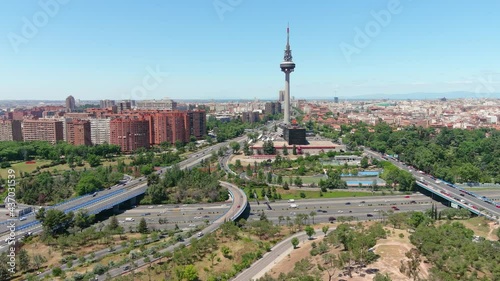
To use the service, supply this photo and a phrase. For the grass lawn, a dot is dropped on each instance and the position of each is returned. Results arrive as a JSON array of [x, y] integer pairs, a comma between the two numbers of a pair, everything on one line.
[[478, 224], [23, 167], [295, 194], [105, 163], [309, 180]]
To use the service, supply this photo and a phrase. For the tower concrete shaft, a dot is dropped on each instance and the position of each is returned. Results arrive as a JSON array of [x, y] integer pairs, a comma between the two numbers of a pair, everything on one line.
[[287, 66]]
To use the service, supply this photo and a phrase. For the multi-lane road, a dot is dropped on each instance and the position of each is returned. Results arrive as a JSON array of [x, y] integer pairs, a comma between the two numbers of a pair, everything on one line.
[[454, 194], [105, 199], [237, 206]]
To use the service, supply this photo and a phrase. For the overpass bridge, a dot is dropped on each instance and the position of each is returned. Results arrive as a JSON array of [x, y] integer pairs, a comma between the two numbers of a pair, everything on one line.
[[450, 199], [109, 198], [448, 192]]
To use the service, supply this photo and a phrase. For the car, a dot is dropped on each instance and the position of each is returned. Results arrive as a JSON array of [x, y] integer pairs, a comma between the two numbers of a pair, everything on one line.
[[192, 225], [395, 209], [348, 203], [199, 209], [369, 215], [239, 206], [22, 218], [199, 234], [127, 267], [413, 202], [375, 210], [94, 194], [362, 202], [332, 219], [461, 194], [147, 214], [206, 216], [340, 211], [150, 207], [407, 196]]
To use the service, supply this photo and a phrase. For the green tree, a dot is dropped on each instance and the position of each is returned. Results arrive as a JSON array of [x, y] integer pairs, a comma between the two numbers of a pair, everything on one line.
[[24, 260], [364, 162], [295, 242], [310, 231], [93, 160], [325, 229], [88, 183], [279, 180], [190, 273], [56, 222], [143, 226], [285, 150], [82, 219], [235, 146], [312, 215]]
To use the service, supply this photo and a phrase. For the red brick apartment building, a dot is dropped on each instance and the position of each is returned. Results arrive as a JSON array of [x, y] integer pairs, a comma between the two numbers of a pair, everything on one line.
[[10, 130], [43, 129], [129, 132], [78, 132]]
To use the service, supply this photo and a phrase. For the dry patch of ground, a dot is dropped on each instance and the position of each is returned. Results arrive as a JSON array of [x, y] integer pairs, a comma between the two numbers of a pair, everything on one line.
[[391, 250]]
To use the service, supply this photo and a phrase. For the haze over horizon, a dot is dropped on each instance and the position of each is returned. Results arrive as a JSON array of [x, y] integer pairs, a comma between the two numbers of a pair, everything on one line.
[[212, 50]]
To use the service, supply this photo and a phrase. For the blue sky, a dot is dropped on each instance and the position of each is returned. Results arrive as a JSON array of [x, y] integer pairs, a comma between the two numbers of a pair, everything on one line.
[[232, 48]]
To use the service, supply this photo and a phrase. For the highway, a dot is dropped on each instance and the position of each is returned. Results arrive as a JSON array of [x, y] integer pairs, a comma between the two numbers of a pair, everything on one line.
[[237, 206], [231, 211], [184, 216], [359, 208], [107, 198], [470, 202]]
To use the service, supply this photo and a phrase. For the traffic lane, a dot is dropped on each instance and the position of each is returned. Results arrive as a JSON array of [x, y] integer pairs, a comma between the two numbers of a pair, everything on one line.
[[348, 202], [208, 229], [325, 218], [475, 201], [455, 194], [442, 186], [340, 210]]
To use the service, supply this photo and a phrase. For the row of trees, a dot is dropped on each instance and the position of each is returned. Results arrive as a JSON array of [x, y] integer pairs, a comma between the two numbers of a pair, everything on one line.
[[452, 154], [23, 151]]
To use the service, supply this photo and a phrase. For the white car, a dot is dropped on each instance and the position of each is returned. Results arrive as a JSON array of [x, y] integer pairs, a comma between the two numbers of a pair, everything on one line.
[[375, 210], [22, 219], [340, 211]]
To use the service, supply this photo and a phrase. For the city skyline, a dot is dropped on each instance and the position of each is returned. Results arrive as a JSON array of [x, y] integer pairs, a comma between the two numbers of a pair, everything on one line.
[[153, 50]]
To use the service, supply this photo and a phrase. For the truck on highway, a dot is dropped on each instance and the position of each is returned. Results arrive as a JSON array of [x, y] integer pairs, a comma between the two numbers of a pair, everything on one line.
[[129, 219], [291, 200], [294, 205]]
